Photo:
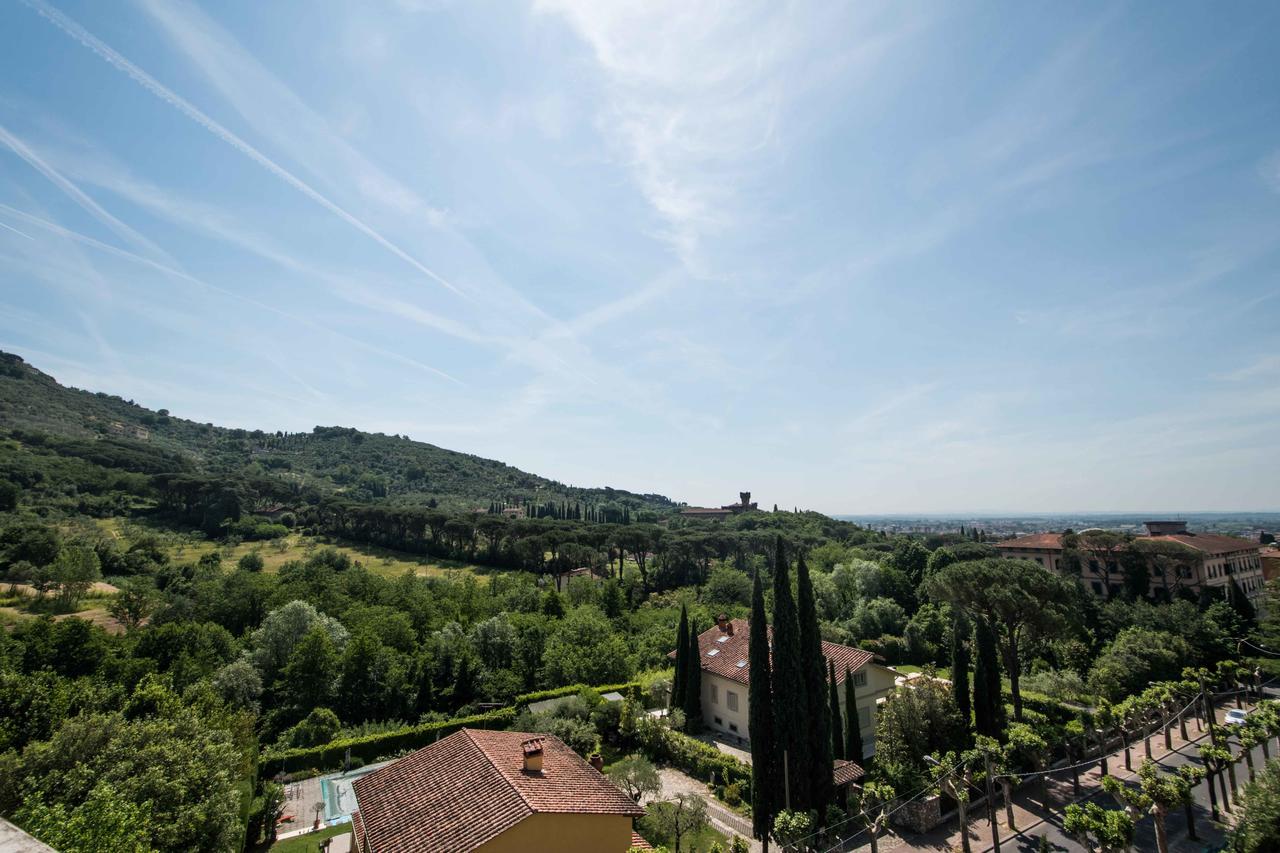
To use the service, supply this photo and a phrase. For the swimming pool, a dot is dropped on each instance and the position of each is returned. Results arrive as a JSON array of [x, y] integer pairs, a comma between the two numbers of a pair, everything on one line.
[[339, 794]]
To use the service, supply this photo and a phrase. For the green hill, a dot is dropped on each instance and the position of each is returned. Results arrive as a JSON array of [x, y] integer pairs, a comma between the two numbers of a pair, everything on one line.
[[37, 413]]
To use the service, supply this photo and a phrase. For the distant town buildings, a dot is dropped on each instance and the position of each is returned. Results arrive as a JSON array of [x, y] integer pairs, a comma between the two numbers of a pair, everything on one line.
[[493, 791], [744, 504], [1212, 560]]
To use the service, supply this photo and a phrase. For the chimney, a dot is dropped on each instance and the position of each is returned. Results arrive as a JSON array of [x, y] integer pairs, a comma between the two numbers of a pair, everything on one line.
[[597, 761], [532, 755], [723, 623], [729, 627]]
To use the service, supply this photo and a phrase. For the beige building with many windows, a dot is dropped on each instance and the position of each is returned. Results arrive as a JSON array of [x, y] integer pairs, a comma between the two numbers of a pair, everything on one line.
[[1216, 559], [726, 678]]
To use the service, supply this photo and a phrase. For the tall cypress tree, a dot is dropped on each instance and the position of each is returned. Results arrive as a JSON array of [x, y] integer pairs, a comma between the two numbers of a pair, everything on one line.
[[960, 631], [815, 680], [988, 705], [764, 749], [853, 728], [982, 722], [682, 652], [693, 684], [837, 730], [790, 699]]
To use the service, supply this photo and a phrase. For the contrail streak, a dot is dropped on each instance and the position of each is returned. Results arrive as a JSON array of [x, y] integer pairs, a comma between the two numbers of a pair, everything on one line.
[[75, 193], [127, 255], [16, 231], [80, 34]]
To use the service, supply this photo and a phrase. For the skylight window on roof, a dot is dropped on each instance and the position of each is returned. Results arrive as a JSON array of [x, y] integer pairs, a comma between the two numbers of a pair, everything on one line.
[[741, 664], [713, 653], [722, 639]]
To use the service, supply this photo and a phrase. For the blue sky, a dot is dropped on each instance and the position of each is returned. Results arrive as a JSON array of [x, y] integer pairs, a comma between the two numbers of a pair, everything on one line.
[[856, 258]]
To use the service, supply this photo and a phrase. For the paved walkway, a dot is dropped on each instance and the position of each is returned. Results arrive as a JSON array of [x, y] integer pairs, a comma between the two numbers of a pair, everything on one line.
[[300, 800], [735, 747], [1038, 809], [723, 818]]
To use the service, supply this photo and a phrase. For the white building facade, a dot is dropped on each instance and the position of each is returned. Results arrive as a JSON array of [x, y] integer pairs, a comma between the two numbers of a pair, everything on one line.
[[726, 679]]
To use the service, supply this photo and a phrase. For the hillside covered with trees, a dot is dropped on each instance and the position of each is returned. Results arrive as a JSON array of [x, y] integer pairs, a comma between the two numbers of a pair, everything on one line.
[[332, 460], [184, 618]]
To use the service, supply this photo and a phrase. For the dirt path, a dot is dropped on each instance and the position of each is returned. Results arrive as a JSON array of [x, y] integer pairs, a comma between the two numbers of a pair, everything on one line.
[[27, 589]]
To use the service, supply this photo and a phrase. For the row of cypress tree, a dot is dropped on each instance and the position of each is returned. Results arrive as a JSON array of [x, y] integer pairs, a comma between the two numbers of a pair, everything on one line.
[[987, 706], [794, 715], [566, 510], [686, 683]]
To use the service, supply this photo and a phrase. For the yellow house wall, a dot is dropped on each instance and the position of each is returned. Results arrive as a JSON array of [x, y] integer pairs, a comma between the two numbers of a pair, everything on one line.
[[715, 703], [879, 685], [564, 833]]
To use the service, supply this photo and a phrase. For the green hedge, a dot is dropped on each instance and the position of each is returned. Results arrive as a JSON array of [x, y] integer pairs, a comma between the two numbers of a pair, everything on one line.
[[526, 699], [244, 788], [375, 747], [1053, 709], [694, 757]]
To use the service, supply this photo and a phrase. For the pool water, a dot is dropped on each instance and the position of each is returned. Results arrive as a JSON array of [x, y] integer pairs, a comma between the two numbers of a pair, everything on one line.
[[339, 794]]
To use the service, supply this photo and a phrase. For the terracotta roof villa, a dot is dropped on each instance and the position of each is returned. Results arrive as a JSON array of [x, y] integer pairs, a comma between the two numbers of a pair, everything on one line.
[[1218, 559], [726, 672], [493, 791]]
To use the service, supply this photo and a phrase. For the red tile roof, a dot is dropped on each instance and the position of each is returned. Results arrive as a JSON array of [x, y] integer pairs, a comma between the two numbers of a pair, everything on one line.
[[846, 772], [638, 842], [357, 824], [459, 793], [731, 650], [1049, 541], [1209, 543]]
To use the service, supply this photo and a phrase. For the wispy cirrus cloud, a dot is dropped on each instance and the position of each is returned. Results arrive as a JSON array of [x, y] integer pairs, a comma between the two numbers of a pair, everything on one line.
[[693, 94], [77, 195], [114, 58], [276, 112], [1269, 170], [180, 275], [16, 231]]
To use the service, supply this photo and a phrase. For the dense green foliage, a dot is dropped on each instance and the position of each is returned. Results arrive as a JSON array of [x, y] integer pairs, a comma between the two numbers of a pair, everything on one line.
[[764, 750], [1257, 826], [790, 700], [150, 734], [108, 433]]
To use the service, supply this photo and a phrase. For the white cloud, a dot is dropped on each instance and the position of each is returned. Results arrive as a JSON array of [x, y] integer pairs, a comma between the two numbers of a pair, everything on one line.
[[77, 195], [205, 285], [694, 92], [114, 58], [1269, 169]]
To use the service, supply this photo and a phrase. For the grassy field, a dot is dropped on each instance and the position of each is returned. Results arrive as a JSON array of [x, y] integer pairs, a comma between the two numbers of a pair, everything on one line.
[[18, 603], [309, 843], [694, 841], [185, 548]]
